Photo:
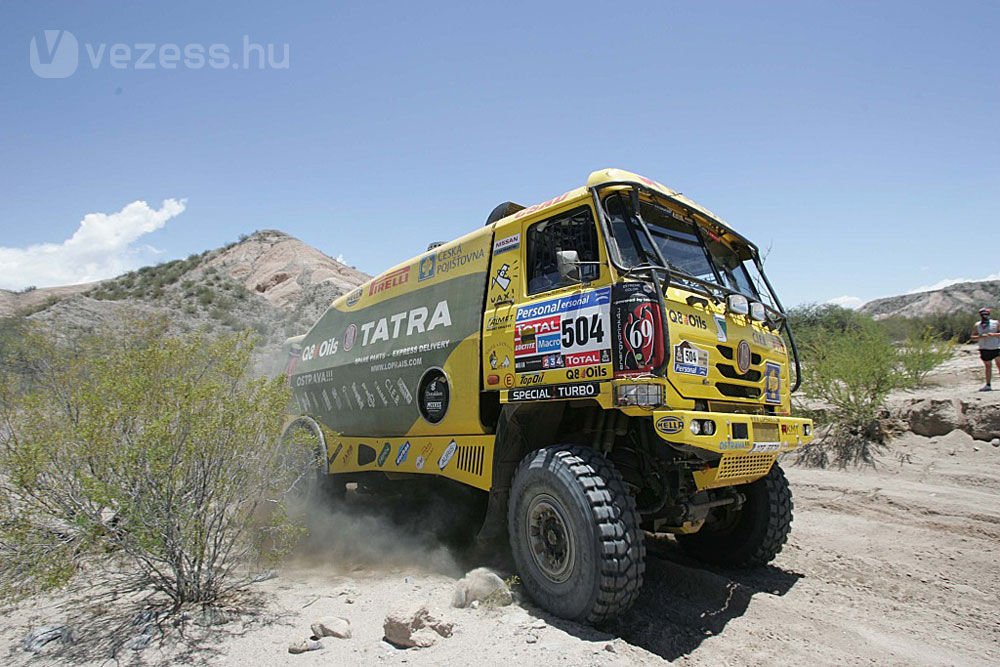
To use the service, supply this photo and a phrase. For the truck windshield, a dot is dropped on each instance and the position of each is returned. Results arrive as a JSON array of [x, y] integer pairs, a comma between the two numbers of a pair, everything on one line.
[[689, 251]]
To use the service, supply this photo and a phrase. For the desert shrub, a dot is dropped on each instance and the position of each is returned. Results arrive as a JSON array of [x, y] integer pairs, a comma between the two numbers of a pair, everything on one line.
[[922, 353], [153, 460], [850, 363], [956, 326]]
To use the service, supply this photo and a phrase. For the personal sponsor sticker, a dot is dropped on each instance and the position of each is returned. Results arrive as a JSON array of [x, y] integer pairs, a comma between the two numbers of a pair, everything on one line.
[[689, 359]]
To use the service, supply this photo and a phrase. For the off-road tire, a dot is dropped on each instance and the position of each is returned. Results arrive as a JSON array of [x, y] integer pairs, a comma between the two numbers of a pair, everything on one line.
[[317, 486], [600, 521], [756, 535]]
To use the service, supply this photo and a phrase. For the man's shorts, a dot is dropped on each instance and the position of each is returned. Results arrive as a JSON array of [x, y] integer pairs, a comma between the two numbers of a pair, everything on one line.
[[989, 355]]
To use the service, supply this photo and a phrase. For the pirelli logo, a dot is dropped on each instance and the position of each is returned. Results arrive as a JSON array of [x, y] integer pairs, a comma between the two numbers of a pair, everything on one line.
[[389, 280]]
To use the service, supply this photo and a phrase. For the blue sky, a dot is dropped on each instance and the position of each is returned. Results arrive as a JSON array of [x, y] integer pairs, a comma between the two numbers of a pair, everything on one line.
[[859, 142]]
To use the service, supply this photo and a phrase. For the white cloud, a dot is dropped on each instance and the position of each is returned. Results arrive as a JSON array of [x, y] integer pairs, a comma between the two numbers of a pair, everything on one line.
[[947, 282], [851, 302], [101, 247]]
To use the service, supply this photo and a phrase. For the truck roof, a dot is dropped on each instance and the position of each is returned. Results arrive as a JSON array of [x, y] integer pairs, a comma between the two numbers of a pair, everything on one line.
[[605, 176]]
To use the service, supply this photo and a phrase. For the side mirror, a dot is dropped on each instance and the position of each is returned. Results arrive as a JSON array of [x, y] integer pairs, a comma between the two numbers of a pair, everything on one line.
[[567, 262]]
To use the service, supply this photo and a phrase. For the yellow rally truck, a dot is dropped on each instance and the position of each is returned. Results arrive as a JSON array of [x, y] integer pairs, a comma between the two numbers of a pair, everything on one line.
[[604, 364]]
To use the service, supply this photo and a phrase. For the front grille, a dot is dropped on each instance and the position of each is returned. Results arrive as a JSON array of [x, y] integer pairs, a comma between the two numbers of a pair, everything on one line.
[[729, 371], [732, 467], [470, 459], [727, 352], [733, 374], [737, 390]]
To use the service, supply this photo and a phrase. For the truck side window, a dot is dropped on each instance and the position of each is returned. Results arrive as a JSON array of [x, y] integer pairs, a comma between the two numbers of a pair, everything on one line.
[[573, 230]]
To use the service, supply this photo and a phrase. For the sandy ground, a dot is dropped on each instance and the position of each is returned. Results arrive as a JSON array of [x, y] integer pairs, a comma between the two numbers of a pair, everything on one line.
[[892, 566]]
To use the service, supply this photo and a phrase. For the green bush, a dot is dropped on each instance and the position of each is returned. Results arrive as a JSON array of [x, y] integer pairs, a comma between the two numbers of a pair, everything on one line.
[[850, 363], [158, 456], [920, 354]]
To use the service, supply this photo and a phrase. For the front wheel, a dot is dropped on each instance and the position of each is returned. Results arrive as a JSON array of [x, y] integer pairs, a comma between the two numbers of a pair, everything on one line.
[[574, 534], [752, 535]]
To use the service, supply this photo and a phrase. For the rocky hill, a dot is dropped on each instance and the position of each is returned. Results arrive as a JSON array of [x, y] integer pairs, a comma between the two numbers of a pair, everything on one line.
[[269, 281], [961, 297]]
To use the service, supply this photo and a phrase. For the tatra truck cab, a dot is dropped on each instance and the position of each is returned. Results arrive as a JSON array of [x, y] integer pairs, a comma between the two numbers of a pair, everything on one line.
[[609, 363]]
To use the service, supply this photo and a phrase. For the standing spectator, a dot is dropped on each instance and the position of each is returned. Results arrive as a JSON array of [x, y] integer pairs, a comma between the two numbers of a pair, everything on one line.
[[987, 332]]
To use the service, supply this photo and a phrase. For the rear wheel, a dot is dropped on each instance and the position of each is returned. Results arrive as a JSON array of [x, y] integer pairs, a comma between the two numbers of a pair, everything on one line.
[[309, 481], [752, 535], [574, 534]]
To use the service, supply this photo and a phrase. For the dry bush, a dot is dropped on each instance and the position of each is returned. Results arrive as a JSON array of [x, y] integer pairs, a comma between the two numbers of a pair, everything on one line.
[[155, 460]]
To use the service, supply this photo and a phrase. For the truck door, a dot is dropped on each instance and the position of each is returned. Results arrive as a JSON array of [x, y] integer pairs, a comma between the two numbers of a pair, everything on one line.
[[547, 326]]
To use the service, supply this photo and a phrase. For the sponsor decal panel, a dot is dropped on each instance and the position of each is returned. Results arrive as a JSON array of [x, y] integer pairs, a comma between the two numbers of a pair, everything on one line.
[[563, 332], [501, 246], [426, 268], [555, 392], [636, 320], [447, 455], [772, 382], [689, 359], [384, 454], [765, 447], [453, 258], [730, 445], [669, 425], [404, 450], [721, 328], [693, 320], [389, 281]]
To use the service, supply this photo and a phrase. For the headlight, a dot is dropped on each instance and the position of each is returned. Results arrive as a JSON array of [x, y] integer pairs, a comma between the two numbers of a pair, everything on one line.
[[757, 311], [641, 394], [737, 304], [695, 427]]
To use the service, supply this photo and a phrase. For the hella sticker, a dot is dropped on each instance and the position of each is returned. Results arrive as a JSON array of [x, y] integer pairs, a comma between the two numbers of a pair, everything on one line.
[[669, 425]]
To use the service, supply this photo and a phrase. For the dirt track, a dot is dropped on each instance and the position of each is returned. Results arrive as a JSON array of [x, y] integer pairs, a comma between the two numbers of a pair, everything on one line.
[[894, 566]]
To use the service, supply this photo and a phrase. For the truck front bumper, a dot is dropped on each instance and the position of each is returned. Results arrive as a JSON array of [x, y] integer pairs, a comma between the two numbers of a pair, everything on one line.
[[748, 444]]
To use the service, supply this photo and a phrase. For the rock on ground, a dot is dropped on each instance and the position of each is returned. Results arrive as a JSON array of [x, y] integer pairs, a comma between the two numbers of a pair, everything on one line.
[[931, 417], [415, 628], [481, 585], [333, 626]]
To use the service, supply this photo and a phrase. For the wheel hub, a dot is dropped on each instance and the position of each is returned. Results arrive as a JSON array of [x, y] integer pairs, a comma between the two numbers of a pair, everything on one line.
[[550, 537]]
